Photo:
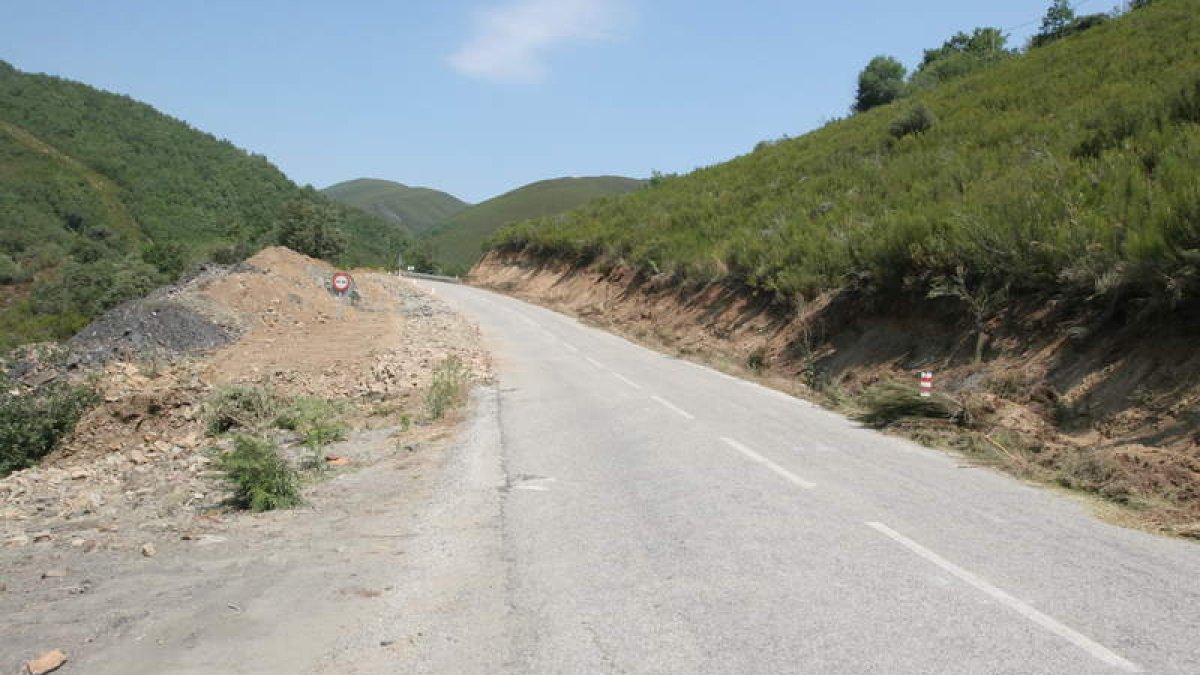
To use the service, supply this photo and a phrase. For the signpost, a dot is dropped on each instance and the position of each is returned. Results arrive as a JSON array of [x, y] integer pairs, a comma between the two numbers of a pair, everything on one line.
[[341, 282]]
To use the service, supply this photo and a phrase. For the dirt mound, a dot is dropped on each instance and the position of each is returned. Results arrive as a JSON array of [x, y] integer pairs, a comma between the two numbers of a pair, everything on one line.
[[1063, 396], [138, 469], [167, 323]]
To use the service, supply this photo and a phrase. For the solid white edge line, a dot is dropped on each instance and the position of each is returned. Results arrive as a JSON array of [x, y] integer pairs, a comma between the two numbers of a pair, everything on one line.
[[1095, 649], [791, 477], [671, 406]]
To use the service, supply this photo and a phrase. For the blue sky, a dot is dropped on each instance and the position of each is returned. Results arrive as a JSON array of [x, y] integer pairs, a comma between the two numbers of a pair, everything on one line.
[[477, 97]]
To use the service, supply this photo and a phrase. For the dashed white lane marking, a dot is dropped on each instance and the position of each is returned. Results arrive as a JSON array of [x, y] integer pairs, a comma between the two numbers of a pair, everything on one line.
[[674, 408], [626, 380], [1095, 649], [594, 362], [571, 347], [532, 488], [791, 477]]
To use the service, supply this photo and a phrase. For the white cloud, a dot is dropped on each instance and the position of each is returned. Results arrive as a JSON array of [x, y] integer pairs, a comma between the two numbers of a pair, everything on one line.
[[510, 42]]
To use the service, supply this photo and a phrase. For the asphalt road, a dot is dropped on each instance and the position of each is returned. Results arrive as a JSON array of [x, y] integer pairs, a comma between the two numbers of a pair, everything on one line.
[[661, 517]]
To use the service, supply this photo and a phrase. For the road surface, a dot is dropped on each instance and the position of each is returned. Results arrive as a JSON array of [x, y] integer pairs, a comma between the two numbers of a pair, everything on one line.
[[660, 517]]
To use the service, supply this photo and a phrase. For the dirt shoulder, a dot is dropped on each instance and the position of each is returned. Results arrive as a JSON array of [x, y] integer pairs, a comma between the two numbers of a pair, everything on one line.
[[128, 520], [1077, 401]]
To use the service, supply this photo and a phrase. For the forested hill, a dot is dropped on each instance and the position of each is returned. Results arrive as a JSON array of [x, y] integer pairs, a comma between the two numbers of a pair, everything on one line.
[[1072, 167], [457, 243], [418, 209], [103, 198]]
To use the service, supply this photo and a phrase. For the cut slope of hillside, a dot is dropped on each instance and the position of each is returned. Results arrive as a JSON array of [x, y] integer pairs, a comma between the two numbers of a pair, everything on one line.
[[1037, 248], [102, 198], [418, 209], [457, 243]]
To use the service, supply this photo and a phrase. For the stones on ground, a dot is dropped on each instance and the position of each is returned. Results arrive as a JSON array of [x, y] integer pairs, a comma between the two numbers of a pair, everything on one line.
[[56, 573], [44, 535], [148, 550], [46, 663]]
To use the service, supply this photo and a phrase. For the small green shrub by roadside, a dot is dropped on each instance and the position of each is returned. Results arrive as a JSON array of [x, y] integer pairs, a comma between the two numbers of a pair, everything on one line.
[[889, 402], [32, 422], [319, 421], [917, 119], [262, 480], [241, 407], [448, 387]]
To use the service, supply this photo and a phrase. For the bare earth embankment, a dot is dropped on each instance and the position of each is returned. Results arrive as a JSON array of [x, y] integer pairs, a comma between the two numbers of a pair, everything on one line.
[[122, 548], [1089, 403]]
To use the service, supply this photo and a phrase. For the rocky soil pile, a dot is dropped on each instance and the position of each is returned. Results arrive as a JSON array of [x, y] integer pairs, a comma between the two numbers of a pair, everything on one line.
[[137, 473]]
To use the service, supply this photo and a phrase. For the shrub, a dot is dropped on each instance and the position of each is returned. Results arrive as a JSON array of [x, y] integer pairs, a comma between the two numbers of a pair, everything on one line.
[[31, 423], [262, 480], [10, 271], [319, 421], [890, 402], [917, 120], [448, 387], [241, 407], [1185, 105]]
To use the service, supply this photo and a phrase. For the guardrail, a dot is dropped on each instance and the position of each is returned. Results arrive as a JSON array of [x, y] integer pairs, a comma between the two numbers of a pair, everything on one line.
[[431, 277]]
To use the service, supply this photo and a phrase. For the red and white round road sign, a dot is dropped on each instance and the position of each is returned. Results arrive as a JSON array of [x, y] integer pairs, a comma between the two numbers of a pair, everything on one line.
[[342, 282]]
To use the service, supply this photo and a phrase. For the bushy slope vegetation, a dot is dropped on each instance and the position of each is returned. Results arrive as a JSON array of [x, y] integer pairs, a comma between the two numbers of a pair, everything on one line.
[[417, 209], [457, 243], [103, 198], [1071, 169]]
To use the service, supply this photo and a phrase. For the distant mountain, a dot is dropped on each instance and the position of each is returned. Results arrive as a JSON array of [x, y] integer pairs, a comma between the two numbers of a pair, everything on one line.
[[103, 198], [418, 209], [457, 243]]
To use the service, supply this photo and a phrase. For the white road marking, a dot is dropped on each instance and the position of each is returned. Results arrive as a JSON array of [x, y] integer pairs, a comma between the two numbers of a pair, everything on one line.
[[791, 477], [1095, 649], [594, 362], [671, 406], [532, 488], [626, 380], [571, 347]]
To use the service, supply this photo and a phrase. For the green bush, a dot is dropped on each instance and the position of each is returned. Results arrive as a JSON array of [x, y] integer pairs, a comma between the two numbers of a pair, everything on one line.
[[10, 271], [889, 402], [916, 120], [262, 480], [249, 408], [31, 423], [319, 421], [448, 387]]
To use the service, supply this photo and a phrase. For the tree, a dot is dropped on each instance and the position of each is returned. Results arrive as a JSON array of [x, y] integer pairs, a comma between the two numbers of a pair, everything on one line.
[[880, 83], [960, 55], [1058, 17], [311, 228]]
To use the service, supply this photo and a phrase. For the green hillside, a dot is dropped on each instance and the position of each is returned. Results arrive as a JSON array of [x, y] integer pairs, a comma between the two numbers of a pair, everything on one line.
[[457, 243], [418, 209], [103, 198], [1071, 169]]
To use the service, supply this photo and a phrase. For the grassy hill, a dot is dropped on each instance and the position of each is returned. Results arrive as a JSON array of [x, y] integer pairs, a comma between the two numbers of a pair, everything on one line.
[[1072, 169], [103, 198], [458, 242], [418, 209]]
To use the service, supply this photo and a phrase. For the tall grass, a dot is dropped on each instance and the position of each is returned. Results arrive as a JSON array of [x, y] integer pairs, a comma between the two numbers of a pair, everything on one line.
[[1072, 169]]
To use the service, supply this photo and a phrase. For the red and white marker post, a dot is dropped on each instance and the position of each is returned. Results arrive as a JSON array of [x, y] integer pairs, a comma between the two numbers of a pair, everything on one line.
[[926, 387]]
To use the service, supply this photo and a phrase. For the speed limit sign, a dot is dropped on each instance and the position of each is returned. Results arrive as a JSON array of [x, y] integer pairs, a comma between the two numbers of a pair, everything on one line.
[[342, 282]]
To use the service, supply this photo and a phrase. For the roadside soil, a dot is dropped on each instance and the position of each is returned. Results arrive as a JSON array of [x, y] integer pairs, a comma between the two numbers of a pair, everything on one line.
[[1094, 404], [125, 531]]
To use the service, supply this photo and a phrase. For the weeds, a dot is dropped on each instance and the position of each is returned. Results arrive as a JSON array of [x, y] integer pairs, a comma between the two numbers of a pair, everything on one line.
[[890, 402], [32, 422], [262, 480], [448, 387], [318, 421], [241, 407]]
